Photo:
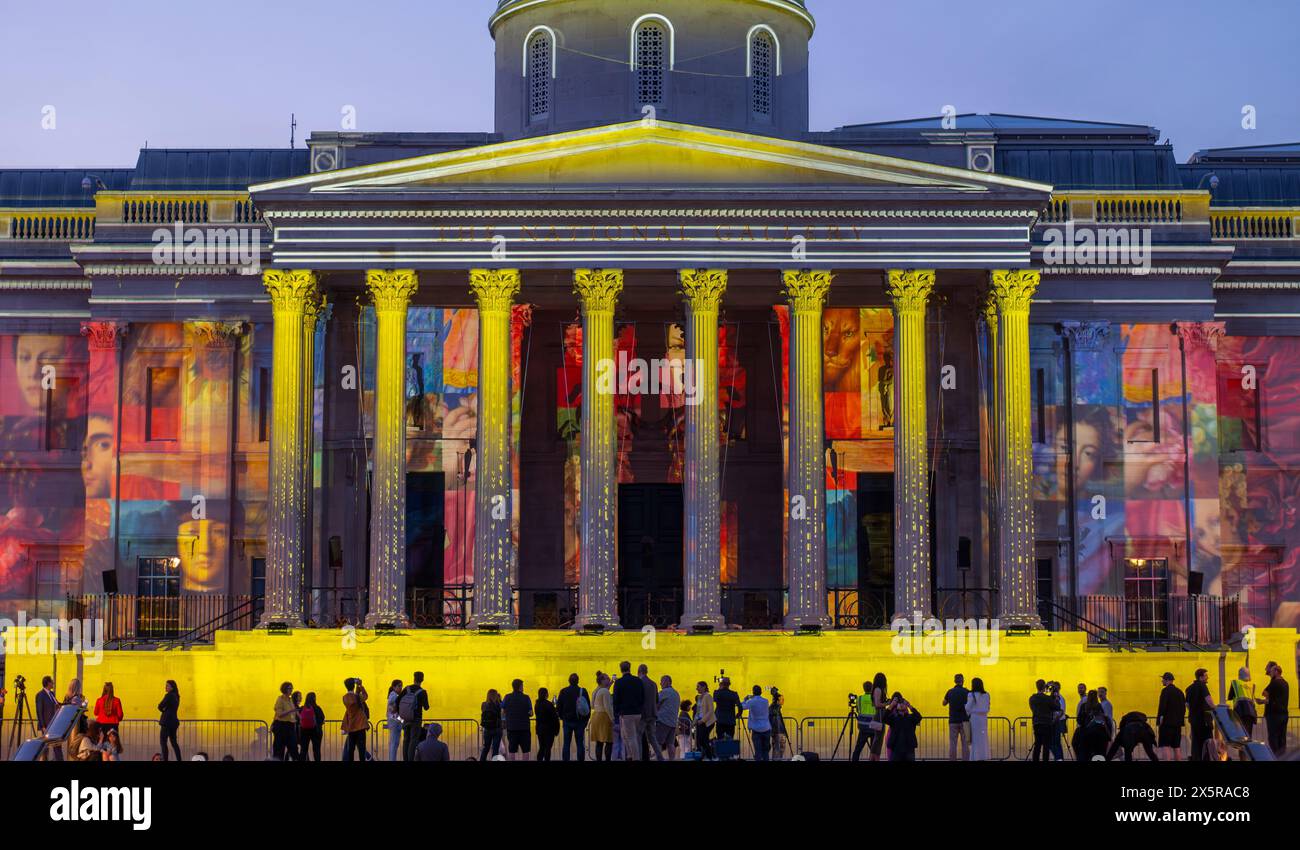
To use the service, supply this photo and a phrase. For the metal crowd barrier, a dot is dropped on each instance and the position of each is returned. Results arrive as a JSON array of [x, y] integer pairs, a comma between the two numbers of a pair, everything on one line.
[[833, 738]]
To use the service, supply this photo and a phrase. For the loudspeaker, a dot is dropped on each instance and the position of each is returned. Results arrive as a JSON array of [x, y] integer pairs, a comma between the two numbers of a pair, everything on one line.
[[110, 581], [963, 553], [810, 756], [1195, 583]]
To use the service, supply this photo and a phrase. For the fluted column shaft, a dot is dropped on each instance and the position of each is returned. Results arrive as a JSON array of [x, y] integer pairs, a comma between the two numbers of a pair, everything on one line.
[[391, 292], [1012, 292], [702, 290], [910, 292], [598, 290], [806, 293], [291, 291], [992, 449], [315, 309], [495, 290]]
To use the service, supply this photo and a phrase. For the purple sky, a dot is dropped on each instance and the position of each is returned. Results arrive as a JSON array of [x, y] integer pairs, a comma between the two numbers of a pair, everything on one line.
[[182, 74]]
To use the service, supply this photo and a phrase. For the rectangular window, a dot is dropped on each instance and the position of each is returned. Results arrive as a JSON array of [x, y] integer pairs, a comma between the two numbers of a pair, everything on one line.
[[1146, 598], [263, 404], [257, 569], [163, 404], [1240, 412], [158, 604]]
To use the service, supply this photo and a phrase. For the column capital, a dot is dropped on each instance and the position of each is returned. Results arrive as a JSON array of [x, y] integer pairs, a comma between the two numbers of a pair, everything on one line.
[[1013, 289], [216, 335], [909, 288], [391, 289], [703, 288], [986, 308], [104, 336], [1201, 334], [806, 289], [290, 289], [1085, 336], [598, 288], [494, 289]]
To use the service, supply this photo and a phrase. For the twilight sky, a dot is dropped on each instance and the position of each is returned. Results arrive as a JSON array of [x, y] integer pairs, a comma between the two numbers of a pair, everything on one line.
[[228, 73]]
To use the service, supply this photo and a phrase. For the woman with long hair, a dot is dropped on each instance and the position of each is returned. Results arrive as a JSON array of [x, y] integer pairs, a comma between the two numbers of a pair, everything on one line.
[[168, 719], [491, 725], [108, 711], [311, 723], [977, 708], [601, 728], [879, 701], [394, 719]]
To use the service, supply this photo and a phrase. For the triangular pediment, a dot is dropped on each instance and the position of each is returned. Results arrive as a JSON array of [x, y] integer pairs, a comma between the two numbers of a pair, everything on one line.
[[650, 154]]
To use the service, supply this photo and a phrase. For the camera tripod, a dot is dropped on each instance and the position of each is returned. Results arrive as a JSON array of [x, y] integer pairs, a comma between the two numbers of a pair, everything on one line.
[[850, 722], [22, 712]]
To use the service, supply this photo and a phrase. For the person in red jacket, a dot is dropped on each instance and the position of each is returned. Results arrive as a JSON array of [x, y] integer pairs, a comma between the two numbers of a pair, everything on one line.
[[108, 711]]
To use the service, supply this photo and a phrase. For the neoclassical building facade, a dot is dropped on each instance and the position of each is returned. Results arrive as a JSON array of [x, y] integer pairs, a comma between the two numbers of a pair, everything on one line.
[[655, 353]]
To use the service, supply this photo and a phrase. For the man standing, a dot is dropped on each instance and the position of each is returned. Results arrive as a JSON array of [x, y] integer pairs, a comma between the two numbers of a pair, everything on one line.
[[1169, 719], [1276, 694], [760, 723], [355, 723], [1083, 700], [726, 705], [1042, 709], [574, 707], [47, 705], [649, 710], [958, 719], [629, 704], [411, 706], [1108, 710], [1199, 708], [518, 710], [670, 703]]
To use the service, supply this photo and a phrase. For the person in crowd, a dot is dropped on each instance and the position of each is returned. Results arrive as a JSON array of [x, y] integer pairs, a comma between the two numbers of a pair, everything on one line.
[[157, 757], [760, 723], [780, 738], [726, 707], [74, 696], [548, 724], [667, 704], [703, 720], [1107, 709], [629, 701], [411, 706], [1277, 694], [168, 719], [110, 745], [1042, 710], [574, 708], [1078, 708], [1241, 696], [1170, 712], [685, 728], [394, 719], [108, 710], [1133, 731], [517, 708], [1093, 735], [878, 703], [300, 752], [490, 723], [958, 720], [87, 746], [284, 746], [1057, 739], [649, 709], [978, 703], [47, 705], [355, 723], [902, 719], [311, 727], [1200, 708], [601, 728], [432, 748]]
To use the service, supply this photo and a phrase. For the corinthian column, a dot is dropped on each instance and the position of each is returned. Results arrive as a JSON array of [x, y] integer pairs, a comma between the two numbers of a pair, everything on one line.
[[910, 292], [701, 475], [291, 292], [315, 309], [990, 452], [598, 290], [806, 292], [1011, 292], [391, 292], [495, 290]]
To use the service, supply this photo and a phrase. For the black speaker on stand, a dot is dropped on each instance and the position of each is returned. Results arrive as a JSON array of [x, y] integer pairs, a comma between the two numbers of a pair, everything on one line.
[[110, 581]]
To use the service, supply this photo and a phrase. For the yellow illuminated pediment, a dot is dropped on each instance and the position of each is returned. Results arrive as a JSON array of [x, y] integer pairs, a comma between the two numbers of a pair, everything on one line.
[[650, 154]]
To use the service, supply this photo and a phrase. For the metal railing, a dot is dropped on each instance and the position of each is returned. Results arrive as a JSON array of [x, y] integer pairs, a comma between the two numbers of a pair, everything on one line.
[[125, 618], [1200, 621], [833, 738]]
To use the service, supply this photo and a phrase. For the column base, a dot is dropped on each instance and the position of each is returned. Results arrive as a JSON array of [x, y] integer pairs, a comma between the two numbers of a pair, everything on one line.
[[279, 622], [584, 622], [692, 621], [393, 621]]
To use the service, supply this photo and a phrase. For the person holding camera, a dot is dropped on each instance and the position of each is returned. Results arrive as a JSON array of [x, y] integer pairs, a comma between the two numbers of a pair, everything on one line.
[[902, 719], [1042, 709], [355, 722]]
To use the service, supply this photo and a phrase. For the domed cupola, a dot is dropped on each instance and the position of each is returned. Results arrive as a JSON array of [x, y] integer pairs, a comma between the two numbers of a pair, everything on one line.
[[732, 64]]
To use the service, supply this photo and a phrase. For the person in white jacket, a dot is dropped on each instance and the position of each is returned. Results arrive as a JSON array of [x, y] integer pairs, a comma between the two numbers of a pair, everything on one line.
[[977, 706]]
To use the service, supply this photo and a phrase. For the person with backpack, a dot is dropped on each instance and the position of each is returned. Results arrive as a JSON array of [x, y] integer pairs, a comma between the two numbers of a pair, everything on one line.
[[490, 723], [394, 719], [311, 727], [411, 706], [574, 707], [355, 722]]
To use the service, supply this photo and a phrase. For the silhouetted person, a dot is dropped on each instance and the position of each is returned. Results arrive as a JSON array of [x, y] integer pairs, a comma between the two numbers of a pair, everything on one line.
[[1133, 731]]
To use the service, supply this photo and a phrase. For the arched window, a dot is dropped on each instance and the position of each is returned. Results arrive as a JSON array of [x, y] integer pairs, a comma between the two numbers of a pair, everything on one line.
[[652, 57], [763, 66], [539, 70]]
